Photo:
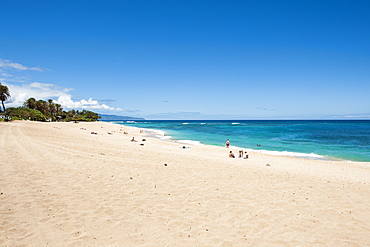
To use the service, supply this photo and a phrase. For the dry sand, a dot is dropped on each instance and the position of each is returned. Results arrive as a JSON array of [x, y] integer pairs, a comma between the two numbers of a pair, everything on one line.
[[61, 185]]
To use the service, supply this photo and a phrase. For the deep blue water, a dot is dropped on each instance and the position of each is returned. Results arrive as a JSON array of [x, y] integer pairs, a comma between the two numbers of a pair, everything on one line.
[[316, 139]]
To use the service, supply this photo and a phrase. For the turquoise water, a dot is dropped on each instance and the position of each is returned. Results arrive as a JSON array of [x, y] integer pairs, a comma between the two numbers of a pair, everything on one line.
[[314, 139]]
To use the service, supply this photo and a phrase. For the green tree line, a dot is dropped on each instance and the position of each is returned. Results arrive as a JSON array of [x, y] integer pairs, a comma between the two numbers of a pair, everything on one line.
[[41, 110]]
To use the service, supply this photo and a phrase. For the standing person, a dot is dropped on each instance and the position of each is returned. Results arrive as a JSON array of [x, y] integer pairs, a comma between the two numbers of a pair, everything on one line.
[[227, 143]]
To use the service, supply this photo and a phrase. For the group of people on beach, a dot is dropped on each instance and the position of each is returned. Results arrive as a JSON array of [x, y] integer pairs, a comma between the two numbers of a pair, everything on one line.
[[242, 154]]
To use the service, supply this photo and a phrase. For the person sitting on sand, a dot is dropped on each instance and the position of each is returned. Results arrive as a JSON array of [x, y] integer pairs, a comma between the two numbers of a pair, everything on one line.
[[231, 155], [133, 139], [240, 153], [246, 155]]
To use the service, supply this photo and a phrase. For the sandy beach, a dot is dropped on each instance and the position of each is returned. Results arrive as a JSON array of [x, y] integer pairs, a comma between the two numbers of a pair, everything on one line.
[[87, 184]]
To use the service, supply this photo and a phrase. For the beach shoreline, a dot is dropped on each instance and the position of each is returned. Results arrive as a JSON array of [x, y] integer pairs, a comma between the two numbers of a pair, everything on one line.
[[161, 135], [88, 184], [317, 140]]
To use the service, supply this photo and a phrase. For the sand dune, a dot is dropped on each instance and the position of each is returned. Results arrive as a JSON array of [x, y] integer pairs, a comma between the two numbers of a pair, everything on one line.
[[63, 186]]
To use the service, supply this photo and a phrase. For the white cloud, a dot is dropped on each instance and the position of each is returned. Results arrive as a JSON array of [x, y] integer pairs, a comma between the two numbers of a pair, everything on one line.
[[9, 74], [67, 102], [44, 91], [20, 93], [7, 64]]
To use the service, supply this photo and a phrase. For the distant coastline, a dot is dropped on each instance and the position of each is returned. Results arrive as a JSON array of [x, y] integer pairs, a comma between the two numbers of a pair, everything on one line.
[[105, 117]]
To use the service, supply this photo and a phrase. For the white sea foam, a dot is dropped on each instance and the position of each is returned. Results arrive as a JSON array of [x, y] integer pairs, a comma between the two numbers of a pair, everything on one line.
[[190, 142], [159, 134], [203, 123], [235, 123], [240, 148], [293, 154], [185, 123], [284, 153]]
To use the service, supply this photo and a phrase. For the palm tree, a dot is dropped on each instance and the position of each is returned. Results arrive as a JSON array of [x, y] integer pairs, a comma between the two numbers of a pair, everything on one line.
[[58, 108], [42, 106], [30, 103], [4, 94], [51, 107], [58, 111]]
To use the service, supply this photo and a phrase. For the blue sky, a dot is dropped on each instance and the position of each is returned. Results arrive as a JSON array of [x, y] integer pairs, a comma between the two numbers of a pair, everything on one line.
[[190, 59]]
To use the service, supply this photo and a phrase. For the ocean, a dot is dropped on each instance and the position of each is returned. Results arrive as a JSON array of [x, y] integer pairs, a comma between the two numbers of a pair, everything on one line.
[[310, 139]]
